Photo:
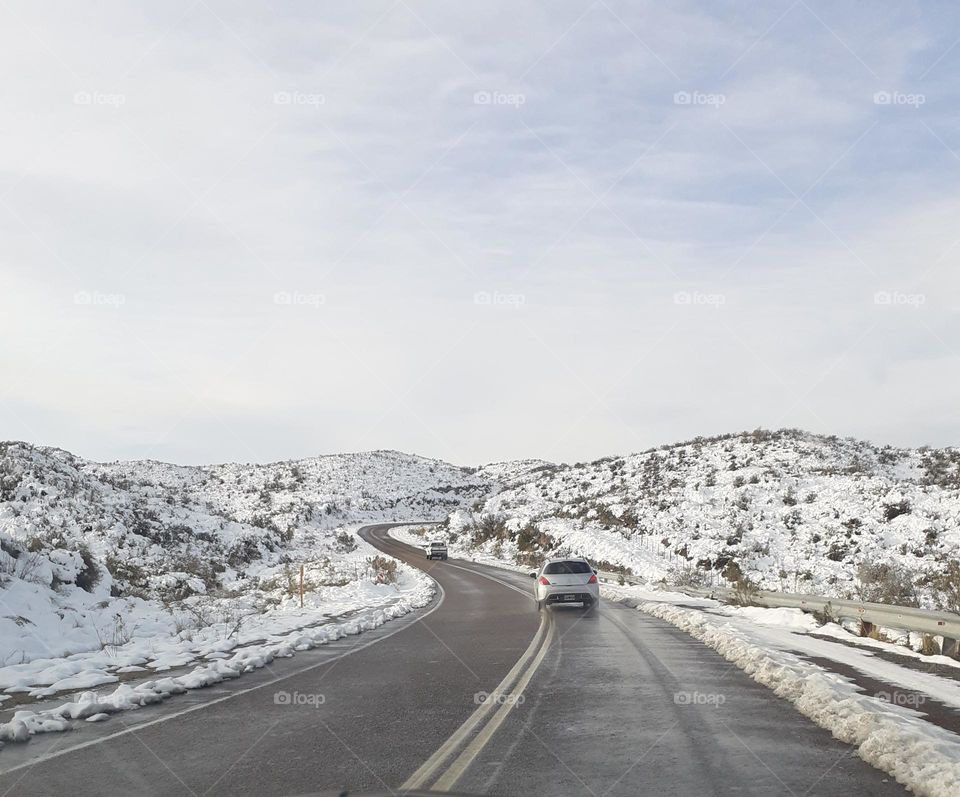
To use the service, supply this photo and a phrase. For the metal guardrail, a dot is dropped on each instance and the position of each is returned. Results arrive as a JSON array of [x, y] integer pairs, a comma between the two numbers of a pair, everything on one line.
[[904, 618], [607, 575]]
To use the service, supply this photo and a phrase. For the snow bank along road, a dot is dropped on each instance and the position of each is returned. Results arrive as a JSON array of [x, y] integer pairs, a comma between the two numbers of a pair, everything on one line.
[[477, 693]]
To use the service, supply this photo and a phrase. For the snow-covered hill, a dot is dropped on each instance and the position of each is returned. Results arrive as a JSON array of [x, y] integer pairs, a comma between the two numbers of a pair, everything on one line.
[[790, 510], [95, 555]]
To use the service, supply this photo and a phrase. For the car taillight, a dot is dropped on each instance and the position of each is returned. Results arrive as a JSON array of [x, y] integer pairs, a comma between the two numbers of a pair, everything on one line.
[[593, 579], [543, 580]]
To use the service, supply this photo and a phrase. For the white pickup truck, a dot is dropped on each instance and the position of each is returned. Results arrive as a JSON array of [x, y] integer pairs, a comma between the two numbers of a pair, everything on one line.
[[436, 550]]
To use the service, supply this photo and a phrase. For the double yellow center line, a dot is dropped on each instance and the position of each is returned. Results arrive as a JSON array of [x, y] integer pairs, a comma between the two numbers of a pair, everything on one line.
[[471, 737]]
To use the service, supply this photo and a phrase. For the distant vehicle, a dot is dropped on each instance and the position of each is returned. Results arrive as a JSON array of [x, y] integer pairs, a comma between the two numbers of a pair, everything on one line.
[[437, 550], [570, 580]]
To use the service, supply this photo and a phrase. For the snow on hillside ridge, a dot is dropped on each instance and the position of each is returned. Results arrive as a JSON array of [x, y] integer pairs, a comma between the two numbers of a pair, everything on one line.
[[789, 510]]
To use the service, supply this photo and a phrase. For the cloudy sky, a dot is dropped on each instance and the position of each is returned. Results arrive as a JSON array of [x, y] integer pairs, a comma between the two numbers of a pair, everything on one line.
[[237, 231]]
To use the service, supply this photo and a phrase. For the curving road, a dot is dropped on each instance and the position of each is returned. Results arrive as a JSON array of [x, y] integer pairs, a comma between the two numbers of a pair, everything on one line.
[[601, 704]]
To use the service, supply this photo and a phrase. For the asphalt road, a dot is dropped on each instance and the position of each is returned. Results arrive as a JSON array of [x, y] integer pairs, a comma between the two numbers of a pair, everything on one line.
[[601, 704]]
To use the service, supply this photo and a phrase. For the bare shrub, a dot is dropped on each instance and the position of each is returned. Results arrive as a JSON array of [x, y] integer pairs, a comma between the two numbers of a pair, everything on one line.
[[29, 567], [744, 590], [824, 615], [872, 631], [886, 583], [233, 619], [114, 636], [196, 615], [532, 544], [688, 576], [947, 587], [385, 570], [490, 527]]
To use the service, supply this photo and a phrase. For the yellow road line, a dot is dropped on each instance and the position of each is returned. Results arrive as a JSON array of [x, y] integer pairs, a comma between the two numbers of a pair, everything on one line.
[[459, 766], [432, 764]]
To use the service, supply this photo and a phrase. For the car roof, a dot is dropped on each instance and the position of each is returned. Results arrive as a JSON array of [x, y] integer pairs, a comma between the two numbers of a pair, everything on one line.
[[565, 559]]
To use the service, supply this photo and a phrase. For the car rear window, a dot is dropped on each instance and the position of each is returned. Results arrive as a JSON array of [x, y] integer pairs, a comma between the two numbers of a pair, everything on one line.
[[567, 568], [438, 545]]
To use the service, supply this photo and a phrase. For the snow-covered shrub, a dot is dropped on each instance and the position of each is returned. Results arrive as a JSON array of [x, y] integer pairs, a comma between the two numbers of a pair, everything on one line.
[[894, 509], [345, 542]]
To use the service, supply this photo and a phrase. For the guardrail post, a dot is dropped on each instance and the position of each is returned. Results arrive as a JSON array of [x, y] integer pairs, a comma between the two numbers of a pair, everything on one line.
[[950, 647]]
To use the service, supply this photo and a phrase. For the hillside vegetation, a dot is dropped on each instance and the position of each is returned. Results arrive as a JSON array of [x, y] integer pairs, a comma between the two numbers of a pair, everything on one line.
[[786, 510], [89, 548]]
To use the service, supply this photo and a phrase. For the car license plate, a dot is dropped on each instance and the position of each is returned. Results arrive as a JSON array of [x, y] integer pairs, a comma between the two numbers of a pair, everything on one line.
[[569, 597]]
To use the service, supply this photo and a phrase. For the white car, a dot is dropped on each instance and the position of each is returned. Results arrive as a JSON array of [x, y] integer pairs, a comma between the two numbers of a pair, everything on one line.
[[437, 550], [568, 580]]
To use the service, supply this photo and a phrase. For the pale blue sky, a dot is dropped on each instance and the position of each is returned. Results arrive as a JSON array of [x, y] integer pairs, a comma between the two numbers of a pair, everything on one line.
[[476, 231]]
